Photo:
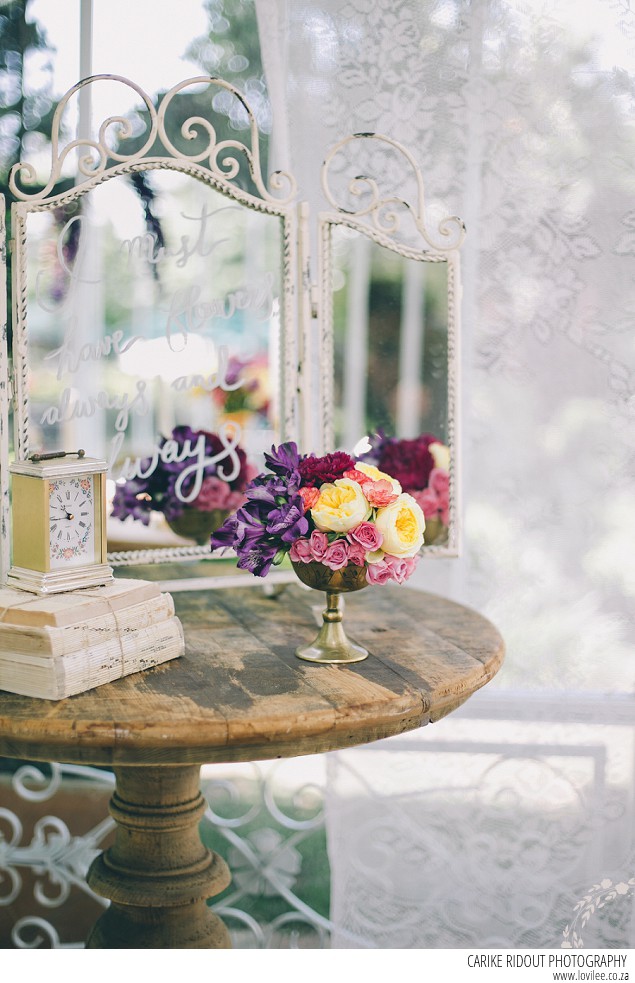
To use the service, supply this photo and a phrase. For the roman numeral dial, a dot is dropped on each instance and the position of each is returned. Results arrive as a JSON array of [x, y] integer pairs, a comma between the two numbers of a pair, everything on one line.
[[72, 521]]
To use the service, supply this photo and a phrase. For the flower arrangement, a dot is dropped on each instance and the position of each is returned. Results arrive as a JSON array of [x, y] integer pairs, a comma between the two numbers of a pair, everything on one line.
[[421, 466], [334, 511], [246, 396], [183, 460]]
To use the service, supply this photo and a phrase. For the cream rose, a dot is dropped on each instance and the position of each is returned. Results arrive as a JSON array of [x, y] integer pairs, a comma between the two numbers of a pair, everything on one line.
[[377, 475], [340, 507], [402, 525]]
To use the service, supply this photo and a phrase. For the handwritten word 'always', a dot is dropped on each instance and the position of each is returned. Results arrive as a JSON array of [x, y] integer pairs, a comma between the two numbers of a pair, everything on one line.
[[171, 452], [71, 406]]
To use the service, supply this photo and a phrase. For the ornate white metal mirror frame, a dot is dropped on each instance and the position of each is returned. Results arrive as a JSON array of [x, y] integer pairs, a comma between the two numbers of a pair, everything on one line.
[[382, 218], [216, 166]]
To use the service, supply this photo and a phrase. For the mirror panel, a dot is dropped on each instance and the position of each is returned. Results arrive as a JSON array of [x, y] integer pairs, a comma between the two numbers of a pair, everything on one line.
[[148, 319], [390, 334], [393, 388]]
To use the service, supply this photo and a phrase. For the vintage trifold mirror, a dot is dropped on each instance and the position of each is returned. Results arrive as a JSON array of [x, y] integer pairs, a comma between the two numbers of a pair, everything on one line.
[[390, 325], [164, 312]]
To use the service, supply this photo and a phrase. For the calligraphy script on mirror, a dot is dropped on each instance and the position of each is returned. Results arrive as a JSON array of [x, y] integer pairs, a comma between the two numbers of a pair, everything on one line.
[[188, 311]]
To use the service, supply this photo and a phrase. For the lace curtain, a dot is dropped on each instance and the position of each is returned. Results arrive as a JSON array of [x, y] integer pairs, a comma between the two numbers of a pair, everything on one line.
[[491, 827]]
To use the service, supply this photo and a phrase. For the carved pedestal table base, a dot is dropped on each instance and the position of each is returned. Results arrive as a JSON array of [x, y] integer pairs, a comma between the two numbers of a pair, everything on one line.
[[158, 874]]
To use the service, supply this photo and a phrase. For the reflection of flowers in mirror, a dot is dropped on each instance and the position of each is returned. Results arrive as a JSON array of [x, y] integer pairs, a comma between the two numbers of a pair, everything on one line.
[[161, 491], [246, 397], [422, 466]]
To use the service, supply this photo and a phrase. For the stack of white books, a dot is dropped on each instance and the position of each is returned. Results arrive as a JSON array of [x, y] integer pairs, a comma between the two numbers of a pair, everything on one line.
[[59, 645]]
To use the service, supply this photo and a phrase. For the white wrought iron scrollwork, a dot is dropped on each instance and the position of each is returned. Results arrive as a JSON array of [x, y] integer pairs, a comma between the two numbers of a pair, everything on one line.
[[31, 933], [264, 855], [100, 160], [57, 859], [383, 212], [34, 785]]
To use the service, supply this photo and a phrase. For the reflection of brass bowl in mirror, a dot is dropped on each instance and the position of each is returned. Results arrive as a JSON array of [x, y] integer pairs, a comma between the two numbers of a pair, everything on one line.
[[197, 525], [436, 534]]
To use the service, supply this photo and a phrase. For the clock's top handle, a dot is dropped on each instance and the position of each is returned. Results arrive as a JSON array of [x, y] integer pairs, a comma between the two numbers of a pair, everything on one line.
[[55, 454]]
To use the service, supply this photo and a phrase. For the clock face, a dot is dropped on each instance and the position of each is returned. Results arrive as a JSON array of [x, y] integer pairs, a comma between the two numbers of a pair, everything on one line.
[[71, 521]]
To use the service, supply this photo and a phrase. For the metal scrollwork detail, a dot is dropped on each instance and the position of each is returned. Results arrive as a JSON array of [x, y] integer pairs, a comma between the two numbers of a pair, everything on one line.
[[26, 780], [33, 933], [57, 859], [383, 213], [266, 823], [100, 159]]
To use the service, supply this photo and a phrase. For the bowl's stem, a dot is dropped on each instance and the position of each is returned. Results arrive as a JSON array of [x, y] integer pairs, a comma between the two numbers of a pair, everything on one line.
[[331, 646]]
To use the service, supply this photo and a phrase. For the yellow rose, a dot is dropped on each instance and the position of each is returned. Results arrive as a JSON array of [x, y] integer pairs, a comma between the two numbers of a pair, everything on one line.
[[441, 455], [340, 507], [377, 475], [402, 525]]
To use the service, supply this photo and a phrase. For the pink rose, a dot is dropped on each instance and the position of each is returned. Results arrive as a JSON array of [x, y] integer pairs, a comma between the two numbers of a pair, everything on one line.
[[401, 567], [367, 535], [444, 509], [319, 544], [439, 481], [213, 495], [378, 573], [356, 554], [428, 501], [300, 551], [380, 493], [336, 555], [309, 497]]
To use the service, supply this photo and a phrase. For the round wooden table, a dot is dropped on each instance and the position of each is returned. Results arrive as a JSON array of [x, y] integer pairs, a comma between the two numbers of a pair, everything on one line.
[[239, 694]]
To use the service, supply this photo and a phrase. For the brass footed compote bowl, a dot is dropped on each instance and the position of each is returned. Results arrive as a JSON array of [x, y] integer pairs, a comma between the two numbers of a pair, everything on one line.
[[331, 646]]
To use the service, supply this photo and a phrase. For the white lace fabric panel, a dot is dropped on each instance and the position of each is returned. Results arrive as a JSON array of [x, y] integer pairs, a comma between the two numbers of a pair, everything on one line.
[[521, 116]]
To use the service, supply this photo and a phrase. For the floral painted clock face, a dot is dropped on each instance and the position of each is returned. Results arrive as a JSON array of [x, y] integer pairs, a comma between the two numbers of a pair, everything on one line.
[[71, 521]]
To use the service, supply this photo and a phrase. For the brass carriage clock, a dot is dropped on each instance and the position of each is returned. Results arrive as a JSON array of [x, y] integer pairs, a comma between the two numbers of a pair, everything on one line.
[[59, 523]]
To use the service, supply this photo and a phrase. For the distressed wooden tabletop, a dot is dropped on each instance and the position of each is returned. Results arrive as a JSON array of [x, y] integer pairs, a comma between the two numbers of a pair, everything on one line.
[[239, 693]]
